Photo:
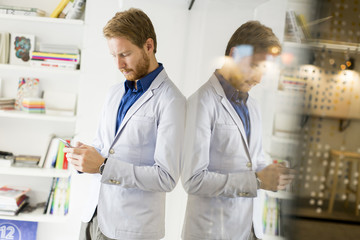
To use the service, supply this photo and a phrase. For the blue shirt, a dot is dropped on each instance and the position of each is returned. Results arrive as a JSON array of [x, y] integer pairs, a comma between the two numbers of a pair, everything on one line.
[[132, 95], [238, 100]]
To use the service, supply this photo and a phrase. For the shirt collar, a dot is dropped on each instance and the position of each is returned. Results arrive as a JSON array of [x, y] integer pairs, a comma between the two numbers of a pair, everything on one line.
[[143, 83], [232, 94]]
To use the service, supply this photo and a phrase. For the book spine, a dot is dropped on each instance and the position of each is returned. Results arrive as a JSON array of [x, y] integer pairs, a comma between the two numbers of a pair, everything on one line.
[[66, 9], [59, 8], [67, 196], [65, 164], [77, 10], [48, 64], [54, 58], [59, 55], [50, 195], [60, 157], [55, 197]]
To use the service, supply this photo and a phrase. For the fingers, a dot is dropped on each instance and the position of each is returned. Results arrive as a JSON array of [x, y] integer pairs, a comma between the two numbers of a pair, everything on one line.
[[79, 144], [284, 180]]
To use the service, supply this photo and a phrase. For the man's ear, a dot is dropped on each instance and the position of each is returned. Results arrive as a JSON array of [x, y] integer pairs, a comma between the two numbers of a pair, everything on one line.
[[149, 45], [231, 53]]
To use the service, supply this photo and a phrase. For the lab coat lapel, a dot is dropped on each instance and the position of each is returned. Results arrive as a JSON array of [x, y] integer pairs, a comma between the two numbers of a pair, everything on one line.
[[115, 105], [227, 105], [144, 98]]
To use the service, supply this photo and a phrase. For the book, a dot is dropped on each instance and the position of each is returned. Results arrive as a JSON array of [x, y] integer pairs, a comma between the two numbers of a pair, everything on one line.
[[33, 105], [58, 48], [15, 212], [16, 230], [26, 161], [59, 8], [50, 196], [304, 26], [66, 9], [55, 56], [51, 154], [21, 46], [12, 195], [60, 156], [55, 197], [46, 150], [53, 64], [27, 87], [293, 30], [4, 47], [7, 103], [77, 10], [27, 158], [14, 207], [66, 163], [26, 11]]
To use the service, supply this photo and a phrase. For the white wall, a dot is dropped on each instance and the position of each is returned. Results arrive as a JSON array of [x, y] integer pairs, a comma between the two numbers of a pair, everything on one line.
[[189, 45]]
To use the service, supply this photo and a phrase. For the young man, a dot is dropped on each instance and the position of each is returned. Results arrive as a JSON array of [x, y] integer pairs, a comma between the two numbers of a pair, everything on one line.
[[138, 144], [223, 166]]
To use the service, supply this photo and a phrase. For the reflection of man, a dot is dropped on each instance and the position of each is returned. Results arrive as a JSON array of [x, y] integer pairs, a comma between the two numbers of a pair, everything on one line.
[[138, 143], [223, 165]]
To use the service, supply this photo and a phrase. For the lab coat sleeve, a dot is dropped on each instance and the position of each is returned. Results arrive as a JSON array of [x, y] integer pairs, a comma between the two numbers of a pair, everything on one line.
[[164, 174], [196, 177]]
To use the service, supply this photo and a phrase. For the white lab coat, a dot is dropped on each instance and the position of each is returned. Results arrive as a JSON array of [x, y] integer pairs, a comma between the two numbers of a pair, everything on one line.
[[143, 161], [218, 167]]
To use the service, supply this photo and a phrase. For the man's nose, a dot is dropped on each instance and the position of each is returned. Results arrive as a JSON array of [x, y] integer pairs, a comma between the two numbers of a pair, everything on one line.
[[120, 63]]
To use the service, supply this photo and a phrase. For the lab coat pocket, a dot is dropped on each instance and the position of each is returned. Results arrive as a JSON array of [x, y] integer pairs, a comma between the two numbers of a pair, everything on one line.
[[226, 138], [141, 131]]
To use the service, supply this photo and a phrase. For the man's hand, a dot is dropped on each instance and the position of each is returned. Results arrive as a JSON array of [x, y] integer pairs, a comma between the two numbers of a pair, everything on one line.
[[84, 158], [275, 177]]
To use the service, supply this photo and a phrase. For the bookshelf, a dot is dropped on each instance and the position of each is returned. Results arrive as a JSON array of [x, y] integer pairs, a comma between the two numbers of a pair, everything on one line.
[[35, 172], [37, 216], [28, 133], [336, 46], [36, 116], [10, 67], [41, 19], [331, 99], [280, 194]]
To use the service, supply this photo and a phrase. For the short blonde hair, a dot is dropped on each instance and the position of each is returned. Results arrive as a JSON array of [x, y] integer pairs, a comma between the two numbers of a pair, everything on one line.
[[257, 35], [132, 24]]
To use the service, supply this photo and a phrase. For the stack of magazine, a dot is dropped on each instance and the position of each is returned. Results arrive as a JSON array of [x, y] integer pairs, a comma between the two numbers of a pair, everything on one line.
[[12, 200]]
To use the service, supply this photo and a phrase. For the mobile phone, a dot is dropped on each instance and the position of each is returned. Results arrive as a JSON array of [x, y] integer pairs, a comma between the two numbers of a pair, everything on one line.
[[65, 142]]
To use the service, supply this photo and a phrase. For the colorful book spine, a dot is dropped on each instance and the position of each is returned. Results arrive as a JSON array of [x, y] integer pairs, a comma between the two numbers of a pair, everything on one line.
[[33, 105], [60, 156], [55, 56], [56, 65], [54, 198], [66, 208]]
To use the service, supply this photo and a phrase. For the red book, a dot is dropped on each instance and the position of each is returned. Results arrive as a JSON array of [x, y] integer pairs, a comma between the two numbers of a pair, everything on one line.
[[65, 163]]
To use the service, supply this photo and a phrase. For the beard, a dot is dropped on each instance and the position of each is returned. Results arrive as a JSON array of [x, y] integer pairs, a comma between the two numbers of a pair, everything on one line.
[[141, 69]]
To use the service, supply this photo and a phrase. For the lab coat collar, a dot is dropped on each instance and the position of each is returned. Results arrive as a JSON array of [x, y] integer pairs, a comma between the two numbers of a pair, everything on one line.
[[160, 78]]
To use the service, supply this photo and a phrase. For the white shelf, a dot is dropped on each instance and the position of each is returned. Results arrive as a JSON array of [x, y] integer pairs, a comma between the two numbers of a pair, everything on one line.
[[36, 216], [41, 19], [35, 172], [12, 67], [272, 237], [36, 116], [285, 140], [333, 46], [280, 194]]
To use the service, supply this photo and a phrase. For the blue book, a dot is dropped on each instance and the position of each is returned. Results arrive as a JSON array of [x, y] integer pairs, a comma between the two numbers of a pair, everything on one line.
[[17, 230]]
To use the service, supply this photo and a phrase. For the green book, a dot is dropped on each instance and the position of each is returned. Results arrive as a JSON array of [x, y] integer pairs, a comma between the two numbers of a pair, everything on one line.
[[60, 156]]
